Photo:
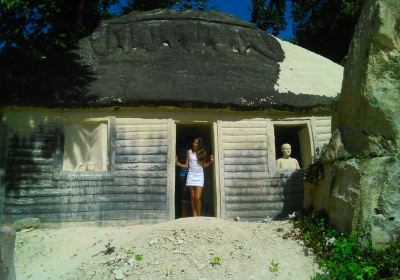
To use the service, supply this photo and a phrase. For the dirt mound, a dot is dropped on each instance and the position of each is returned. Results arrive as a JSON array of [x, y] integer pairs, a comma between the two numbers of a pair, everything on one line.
[[190, 248]]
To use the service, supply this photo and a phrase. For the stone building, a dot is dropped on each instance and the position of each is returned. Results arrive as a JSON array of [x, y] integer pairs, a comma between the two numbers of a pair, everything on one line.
[[149, 81]]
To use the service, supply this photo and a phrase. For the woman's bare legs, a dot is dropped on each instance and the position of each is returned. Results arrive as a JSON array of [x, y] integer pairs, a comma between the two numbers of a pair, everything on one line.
[[192, 195], [195, 199]]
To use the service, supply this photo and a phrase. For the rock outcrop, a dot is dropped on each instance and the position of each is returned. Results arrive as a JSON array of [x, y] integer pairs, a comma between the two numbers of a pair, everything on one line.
[[368, 112], [26, 223], [360, 188]]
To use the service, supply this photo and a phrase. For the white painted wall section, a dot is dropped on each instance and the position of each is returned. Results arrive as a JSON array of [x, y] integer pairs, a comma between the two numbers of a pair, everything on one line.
[[305, 72]]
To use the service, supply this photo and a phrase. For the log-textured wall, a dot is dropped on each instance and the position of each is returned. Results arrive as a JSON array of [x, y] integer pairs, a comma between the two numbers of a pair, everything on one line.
[[30, 161], [134, 187], [322, 131], [137, 184], [250, 187], [140, 169]]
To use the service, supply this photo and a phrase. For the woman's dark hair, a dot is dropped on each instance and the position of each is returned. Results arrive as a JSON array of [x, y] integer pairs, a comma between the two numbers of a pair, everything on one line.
[[201, 151]]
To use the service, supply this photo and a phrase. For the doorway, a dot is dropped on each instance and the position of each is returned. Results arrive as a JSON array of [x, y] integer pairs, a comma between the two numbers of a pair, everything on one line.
[[185, 133]]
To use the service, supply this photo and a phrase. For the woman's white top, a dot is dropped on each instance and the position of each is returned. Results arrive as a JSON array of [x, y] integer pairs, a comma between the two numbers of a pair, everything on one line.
[[195, 177]]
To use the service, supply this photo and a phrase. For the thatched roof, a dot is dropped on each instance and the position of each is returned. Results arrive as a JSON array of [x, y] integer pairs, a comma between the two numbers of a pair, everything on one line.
[[200, 59]]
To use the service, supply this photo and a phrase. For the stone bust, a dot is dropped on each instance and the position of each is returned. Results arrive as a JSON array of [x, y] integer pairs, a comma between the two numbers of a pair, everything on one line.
[[286, 162]]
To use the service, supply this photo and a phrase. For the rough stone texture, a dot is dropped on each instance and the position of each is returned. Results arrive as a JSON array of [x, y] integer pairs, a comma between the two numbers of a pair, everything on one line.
[[7, 245], [361, 194], [26, 223], [368, 112], [360, 185]]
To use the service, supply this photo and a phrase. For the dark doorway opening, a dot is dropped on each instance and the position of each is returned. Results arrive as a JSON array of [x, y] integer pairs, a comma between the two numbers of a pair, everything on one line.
[[298, 137], [185, 133]]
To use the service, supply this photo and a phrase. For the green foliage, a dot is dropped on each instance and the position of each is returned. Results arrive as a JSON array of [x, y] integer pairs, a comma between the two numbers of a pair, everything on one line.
[[10, 3], [341, 256], [314, 172], [52, 80], [323, 26], [197, 5], [269, 15], [274, 266], [215, 261], [46, 25], [346, 261], [138, 257], [146, 5]]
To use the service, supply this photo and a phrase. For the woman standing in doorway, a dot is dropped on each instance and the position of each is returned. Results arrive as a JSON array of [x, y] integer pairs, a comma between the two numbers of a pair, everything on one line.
[[196, 161]]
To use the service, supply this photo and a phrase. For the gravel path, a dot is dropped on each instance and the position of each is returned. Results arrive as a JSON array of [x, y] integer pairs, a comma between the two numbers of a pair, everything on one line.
[[189, 248]]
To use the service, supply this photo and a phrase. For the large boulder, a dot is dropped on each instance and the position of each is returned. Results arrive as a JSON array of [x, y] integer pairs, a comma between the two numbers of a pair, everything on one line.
[[26, 223], [360, 185], [368, 111], [360, 194]]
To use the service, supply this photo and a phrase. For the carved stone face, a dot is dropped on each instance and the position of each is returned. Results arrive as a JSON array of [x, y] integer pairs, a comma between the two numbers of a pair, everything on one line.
[[286, 150]]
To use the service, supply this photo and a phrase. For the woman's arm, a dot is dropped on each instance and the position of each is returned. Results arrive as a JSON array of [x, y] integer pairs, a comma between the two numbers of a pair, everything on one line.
[[207, 164], [186, 164]]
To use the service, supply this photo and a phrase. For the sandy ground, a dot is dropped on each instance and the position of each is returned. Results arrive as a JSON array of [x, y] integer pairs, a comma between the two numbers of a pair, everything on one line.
[[189, 248]]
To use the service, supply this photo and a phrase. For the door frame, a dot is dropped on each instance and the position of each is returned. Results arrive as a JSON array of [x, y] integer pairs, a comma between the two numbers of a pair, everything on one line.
[[216, 173], [171, 169], [172, 129], [300, 122]]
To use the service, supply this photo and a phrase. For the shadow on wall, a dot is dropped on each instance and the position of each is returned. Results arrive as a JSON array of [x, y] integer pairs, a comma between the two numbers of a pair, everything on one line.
[[59, 80], [293, 192], [29, 162]]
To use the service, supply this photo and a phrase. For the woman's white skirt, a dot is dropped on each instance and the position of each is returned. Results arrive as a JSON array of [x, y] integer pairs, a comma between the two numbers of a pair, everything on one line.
[[195, 177]]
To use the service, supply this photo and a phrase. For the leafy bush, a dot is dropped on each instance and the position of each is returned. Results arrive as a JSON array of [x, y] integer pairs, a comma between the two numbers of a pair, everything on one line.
[[341, 256]]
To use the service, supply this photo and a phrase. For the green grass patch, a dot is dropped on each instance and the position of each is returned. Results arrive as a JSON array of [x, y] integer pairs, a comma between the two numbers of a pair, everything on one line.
[[341, 256], [138, 257], [274, 266]]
